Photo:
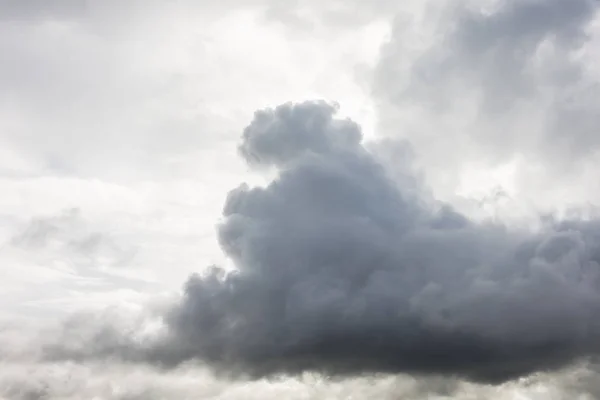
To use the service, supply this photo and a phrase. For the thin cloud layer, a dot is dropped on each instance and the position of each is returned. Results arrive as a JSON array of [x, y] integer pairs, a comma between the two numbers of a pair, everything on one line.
[[342, 271]]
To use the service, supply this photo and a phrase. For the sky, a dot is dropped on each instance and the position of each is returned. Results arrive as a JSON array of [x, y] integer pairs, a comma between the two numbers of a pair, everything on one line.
[[302, 199]]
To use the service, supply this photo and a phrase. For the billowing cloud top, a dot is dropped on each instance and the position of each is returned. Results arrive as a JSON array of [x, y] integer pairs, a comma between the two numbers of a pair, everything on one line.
[[341, 271], [277, 137]]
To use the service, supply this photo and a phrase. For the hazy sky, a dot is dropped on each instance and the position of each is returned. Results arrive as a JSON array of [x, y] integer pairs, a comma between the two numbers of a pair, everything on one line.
[[402, 193]]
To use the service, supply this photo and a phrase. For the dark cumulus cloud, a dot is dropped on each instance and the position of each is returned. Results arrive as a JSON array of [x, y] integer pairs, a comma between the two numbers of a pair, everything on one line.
[[343, 271]]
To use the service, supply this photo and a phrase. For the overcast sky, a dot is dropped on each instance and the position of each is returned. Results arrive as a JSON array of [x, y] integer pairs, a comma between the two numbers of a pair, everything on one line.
[[402, 193]]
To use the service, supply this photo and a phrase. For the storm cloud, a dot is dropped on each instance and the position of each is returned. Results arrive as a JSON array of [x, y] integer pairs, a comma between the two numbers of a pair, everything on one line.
[[341, 271]]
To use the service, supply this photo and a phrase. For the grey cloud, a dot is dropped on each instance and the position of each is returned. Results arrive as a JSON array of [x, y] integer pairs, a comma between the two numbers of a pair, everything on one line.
[[495, 83], [494, 51], [340, 271], [288, 132]]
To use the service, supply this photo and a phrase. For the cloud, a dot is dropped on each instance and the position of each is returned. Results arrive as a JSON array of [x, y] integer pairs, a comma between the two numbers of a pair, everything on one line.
[[27, 381], [341, 271], [498, 82]]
